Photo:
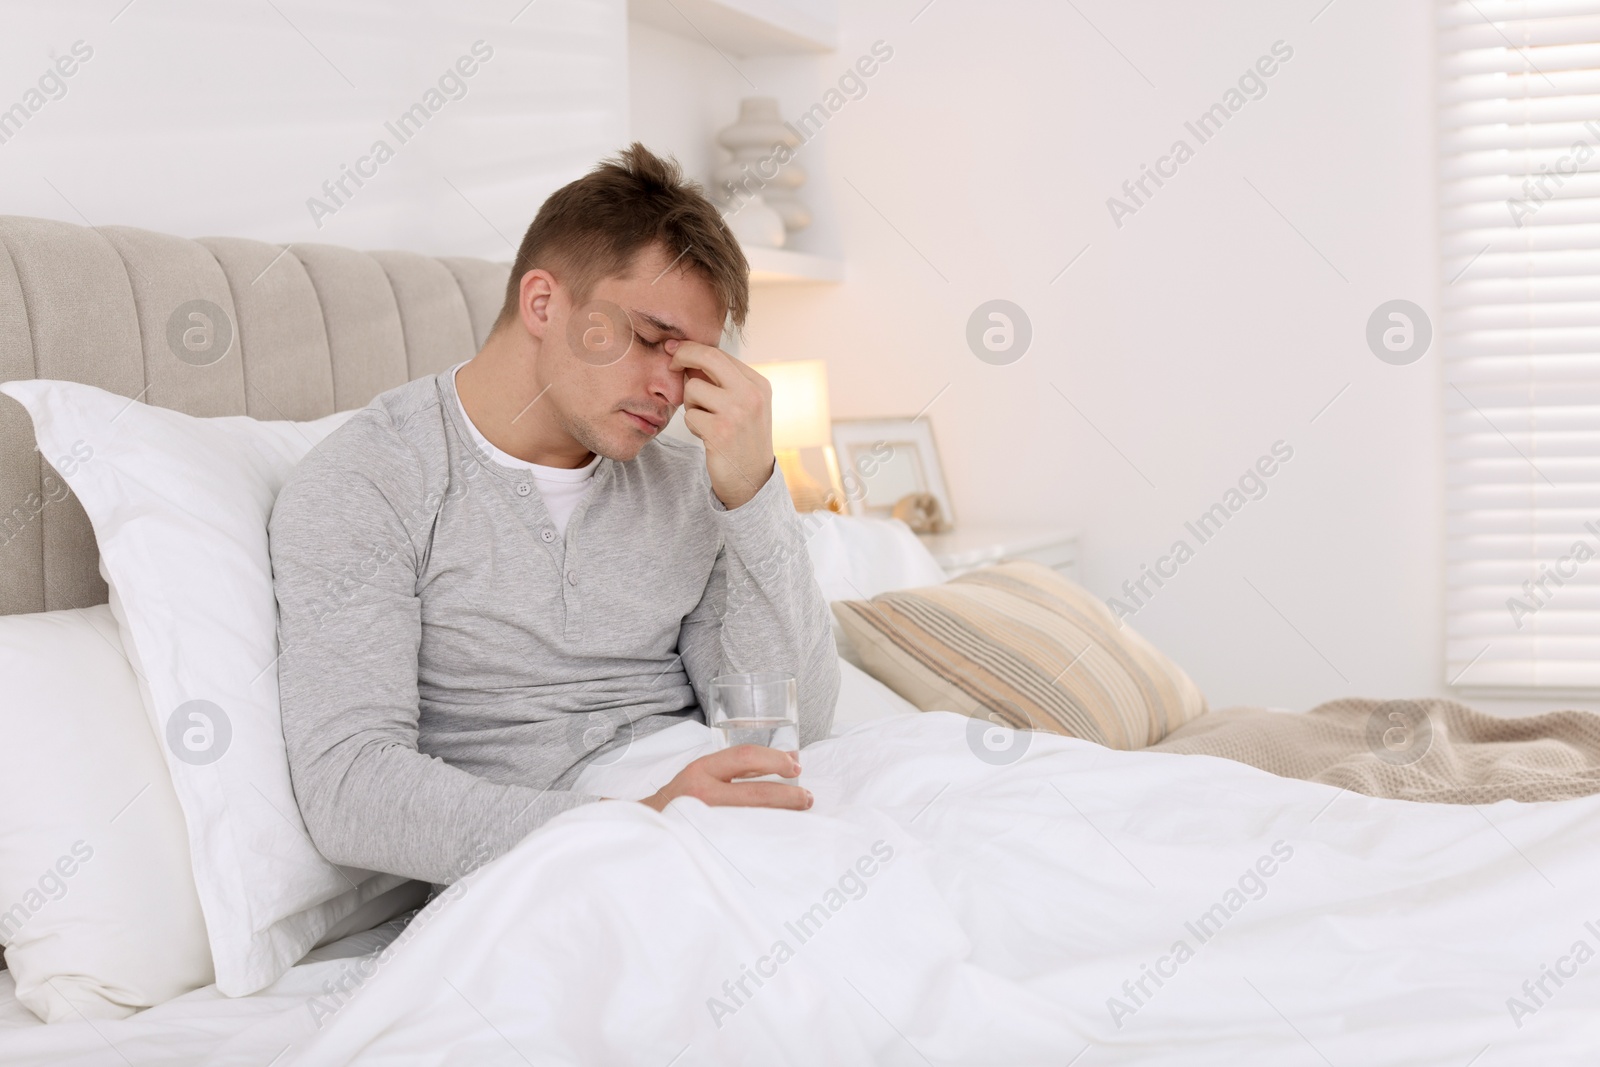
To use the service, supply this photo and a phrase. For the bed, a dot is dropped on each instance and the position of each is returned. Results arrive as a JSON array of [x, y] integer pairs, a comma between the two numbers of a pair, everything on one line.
[[1069, 903]]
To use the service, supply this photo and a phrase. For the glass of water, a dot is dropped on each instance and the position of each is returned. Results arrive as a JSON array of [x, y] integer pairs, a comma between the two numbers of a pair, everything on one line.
[[758, 708]]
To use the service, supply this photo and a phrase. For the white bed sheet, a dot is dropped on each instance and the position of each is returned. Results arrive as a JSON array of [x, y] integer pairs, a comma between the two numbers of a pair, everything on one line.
[[1017, 900], [202, 1027], [206, 1027]]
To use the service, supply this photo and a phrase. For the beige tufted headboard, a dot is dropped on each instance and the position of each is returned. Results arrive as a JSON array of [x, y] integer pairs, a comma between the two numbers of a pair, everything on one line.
[[314, 329]]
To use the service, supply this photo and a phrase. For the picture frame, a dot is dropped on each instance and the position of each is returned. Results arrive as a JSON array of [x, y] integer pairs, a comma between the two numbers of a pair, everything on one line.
[[882, 460]]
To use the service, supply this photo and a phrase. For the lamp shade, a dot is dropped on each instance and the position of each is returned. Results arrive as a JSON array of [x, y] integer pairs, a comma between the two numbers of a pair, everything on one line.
[[800, 417]]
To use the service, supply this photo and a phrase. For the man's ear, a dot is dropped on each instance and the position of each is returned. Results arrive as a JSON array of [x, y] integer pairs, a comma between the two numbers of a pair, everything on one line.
[[533, 304]]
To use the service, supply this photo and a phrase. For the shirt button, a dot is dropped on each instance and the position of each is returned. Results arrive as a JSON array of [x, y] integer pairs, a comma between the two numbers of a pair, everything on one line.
[[523, 488], [547, 535], [572, 577]]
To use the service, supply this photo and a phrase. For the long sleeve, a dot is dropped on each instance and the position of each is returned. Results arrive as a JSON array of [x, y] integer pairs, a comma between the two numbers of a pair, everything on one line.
[[763, 610], [345, 571]]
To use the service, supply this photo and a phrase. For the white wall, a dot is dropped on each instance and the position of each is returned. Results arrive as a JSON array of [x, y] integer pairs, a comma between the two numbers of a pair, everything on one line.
[[1204, 329], [200, 118], [1193, 337]]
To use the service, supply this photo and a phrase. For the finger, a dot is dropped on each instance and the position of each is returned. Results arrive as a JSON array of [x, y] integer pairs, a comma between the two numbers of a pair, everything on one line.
[[700, 393], [742, 761], [714, 363], [733, 365], [759, 795]]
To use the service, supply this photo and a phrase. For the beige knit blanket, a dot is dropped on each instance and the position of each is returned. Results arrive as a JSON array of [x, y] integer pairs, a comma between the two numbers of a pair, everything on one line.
[[1429, 750]]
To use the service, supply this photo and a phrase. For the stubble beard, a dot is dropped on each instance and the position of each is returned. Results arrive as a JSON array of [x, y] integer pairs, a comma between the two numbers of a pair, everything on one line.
[[588, 434]]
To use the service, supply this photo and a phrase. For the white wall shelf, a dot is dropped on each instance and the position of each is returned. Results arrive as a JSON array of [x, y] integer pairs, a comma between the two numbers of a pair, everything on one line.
[[783, 266], [746, 27]]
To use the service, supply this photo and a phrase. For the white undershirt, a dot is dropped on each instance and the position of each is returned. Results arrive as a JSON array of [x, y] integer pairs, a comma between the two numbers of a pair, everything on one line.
[[559, 487]]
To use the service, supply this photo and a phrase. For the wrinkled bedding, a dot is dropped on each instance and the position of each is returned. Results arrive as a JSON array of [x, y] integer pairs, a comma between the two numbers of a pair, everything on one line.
[[961, 894], [1439, 751]]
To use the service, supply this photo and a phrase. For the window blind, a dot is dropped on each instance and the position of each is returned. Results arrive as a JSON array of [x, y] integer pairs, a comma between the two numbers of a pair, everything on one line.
[[1519, 183]]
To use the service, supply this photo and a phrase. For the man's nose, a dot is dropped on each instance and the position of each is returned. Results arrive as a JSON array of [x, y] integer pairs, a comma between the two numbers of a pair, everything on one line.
[[665, 383]]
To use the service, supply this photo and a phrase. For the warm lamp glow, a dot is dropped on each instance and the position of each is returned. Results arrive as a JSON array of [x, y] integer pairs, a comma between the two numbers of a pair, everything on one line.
[[800, 419], [800, 416]]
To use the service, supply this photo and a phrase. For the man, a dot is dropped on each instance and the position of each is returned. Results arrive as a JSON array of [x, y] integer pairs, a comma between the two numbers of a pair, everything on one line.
[[490, 576]]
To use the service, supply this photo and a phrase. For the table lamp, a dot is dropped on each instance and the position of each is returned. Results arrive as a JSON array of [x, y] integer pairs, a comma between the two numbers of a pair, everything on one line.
[[800, 419]]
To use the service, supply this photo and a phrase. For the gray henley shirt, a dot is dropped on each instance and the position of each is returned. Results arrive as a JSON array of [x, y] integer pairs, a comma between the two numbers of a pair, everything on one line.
[[449, 661]]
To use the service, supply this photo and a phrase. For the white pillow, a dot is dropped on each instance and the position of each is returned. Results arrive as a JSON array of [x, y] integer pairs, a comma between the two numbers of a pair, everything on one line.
[[858, 558], [98, 910], [179, 507], [862, 698]]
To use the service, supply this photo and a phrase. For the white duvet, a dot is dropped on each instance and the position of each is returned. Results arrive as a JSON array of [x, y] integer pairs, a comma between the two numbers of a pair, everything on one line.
[[950, 900]]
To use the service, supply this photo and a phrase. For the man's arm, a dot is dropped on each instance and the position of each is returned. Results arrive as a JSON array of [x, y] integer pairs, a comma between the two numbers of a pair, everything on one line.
[[762, 609], [350, 624]]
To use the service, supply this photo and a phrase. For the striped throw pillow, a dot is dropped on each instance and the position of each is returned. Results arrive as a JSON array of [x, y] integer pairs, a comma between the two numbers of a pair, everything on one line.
[[1021, 645]]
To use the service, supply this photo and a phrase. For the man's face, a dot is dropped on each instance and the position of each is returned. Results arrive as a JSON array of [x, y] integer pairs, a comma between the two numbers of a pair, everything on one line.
[[604, 361]]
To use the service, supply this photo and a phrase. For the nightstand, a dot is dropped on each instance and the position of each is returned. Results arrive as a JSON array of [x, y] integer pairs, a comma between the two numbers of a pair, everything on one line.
[[967, 548]]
